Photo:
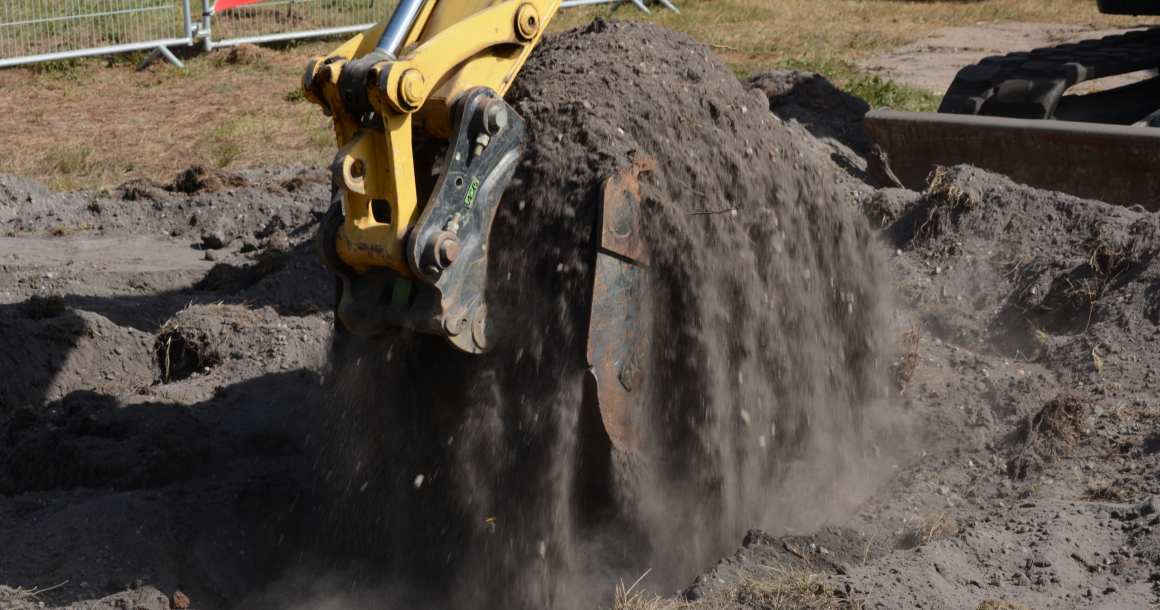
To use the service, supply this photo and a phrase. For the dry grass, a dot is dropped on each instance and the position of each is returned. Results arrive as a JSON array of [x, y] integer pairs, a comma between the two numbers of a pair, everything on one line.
[[1106, 258], [792, 590], [75, 130], [1105, 491], [765, 34], [1052, 433], [1042, 342], [96, 123], [992, 603], [933, 527], [946, 200], [1060, 422], [1087, 292], [785, 589], [908, 361]]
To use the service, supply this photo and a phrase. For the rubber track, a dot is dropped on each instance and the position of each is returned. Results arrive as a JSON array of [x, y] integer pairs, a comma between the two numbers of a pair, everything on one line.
[[1029, 85]]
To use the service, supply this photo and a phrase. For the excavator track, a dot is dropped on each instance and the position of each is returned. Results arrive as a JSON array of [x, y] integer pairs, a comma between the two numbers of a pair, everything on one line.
[[1008, 114], [1031, 85]]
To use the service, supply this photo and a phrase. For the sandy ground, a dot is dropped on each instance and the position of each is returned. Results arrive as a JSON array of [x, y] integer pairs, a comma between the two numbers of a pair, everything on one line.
[[161, 345], [932, 63]]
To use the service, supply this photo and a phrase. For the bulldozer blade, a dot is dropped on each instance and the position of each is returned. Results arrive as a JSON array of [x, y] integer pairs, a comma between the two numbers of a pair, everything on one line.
[[1111, 163], [619, 320]]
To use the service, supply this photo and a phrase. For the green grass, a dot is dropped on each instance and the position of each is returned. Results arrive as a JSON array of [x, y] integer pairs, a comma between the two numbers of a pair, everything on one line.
[[890, 94], [877, 92]]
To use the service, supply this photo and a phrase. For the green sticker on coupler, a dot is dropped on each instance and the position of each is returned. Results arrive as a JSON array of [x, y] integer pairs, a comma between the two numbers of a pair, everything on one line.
[[470, 199]]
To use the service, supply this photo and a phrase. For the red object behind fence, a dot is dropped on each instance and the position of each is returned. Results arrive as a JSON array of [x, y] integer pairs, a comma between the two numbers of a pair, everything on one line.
[[222, 5]]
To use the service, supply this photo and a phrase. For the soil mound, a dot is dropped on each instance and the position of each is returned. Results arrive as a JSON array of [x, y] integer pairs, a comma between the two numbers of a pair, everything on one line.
[[768, 325], [1032, 273]]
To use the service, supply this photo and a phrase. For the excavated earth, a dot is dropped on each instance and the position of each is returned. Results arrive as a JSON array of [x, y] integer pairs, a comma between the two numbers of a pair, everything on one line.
[[166, 351]]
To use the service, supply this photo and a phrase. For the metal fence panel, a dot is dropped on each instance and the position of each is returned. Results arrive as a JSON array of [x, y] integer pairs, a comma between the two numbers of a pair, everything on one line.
[[285, 19], [42, 30]]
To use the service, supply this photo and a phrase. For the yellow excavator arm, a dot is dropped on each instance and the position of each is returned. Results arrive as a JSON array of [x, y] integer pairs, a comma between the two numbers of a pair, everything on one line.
[[431, 77]]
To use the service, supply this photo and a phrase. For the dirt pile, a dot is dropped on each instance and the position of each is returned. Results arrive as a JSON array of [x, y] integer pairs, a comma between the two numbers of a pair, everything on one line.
[[1032, 273], [1033, 380], [768, 327]]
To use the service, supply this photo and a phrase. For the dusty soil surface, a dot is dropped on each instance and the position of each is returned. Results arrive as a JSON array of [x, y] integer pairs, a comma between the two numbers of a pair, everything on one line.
[[932, 62], [164, 347], [153, 386]]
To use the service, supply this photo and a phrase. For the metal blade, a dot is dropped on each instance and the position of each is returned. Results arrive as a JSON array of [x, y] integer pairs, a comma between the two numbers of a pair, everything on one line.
[[619, 323], [1111, 163]]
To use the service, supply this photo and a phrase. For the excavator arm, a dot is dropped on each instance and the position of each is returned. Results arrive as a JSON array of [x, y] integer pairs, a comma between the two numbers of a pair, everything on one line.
[[430, 78], [421, 96]]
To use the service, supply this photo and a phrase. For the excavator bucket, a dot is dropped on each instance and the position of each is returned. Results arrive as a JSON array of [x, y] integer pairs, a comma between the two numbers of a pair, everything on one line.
[[1111, 163], [619, 323]]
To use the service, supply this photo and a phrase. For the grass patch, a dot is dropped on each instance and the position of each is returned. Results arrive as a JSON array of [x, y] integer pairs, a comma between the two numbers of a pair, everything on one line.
[[765, 34], [59, 67], [69, 159], [1060, 421], [877, 92], [1106, 257], [890, 94], [66, 230], [230, 137], [180, 353]]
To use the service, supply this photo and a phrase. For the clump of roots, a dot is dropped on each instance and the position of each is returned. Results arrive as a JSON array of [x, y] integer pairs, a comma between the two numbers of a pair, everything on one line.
[[183, 348], [1051, 433], [1105, 491], [946, 200], [1106, 257], [933, 527], [908, 361]]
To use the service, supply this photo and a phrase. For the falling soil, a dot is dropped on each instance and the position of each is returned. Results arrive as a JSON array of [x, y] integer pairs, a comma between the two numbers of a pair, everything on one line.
[[768, 327]]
